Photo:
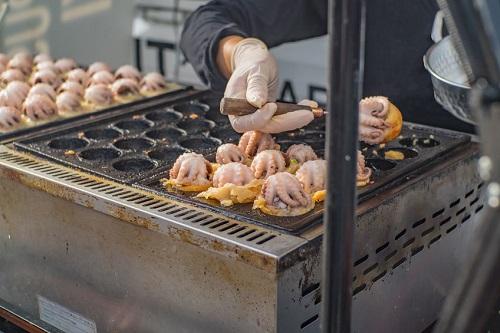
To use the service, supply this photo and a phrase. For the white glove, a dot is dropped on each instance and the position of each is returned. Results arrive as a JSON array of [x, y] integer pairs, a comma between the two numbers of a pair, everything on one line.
[[255, 78]]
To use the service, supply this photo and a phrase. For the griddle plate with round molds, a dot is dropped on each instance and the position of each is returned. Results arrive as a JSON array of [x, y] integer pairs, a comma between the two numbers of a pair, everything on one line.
[[139, 148]]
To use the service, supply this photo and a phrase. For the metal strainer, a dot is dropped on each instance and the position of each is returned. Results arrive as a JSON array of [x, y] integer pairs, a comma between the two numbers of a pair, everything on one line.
[[449, 79]]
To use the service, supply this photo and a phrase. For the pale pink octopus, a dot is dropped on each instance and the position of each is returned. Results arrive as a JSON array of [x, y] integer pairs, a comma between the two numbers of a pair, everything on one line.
[[65, 65], [20, 64], [312, 176], [39, 107], [228, 153], [99, 95], [372, 112], [78, 75], [73, 87], [46, 65], [24, 56], [128, 72], [11, 75], [191, 169], [9, 117], [363, 172], [267, 163], [14, 94], [97, 67], [46, 76], [301, 153], [152, 82], [283, 190], [233, 173], [43, 89], [68, 102], [41, 57], [101, 77], [4, 59], [254, 142], [125, 87]]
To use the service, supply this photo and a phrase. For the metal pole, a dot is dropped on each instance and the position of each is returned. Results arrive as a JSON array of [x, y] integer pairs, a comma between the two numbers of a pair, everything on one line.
[[345, 73]]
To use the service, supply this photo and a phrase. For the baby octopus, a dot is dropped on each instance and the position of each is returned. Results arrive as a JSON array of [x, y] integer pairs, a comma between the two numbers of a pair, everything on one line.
[[39, 107], [9, 117], [43, 89], [312, 176], [267, 163], [99, 95], [46, 76], [380, 120], [101, 77], [128, 72], [284, 191], [65, 65], [363, 173], [14, 94], [68, 102], [233, 173], [228, 153], [78, 75], [97, 67], [125, 87], [11, 75], [301, 153], [254, 142], [73, 87], [153, 82], [191, 169]]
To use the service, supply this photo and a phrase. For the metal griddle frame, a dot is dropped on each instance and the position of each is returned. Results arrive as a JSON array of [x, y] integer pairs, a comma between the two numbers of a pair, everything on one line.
[[472, 25]]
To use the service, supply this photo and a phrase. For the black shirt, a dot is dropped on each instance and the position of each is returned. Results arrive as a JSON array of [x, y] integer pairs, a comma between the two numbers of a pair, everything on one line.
[[398, 35]]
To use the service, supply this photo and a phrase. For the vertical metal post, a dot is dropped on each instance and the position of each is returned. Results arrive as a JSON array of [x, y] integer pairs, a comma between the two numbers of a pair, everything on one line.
[[345, 72]]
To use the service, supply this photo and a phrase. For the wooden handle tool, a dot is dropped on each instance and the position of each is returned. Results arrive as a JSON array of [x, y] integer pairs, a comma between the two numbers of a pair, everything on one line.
[[240, 107]]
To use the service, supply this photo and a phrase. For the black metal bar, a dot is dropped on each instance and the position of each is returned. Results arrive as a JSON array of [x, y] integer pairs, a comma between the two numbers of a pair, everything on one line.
[[345, 73]]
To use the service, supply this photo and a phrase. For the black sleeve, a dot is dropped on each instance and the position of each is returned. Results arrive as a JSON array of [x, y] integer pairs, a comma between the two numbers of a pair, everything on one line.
[[273, 21]]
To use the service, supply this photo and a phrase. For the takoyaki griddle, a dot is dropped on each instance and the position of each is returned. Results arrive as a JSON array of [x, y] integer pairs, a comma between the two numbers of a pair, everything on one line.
[[138, 149]]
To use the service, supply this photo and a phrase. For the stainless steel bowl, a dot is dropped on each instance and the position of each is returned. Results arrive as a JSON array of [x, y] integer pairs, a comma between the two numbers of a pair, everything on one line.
[[451, 85]]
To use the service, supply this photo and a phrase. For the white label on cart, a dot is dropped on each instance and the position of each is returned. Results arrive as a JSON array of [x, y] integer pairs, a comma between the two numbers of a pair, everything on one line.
[[63, 318]]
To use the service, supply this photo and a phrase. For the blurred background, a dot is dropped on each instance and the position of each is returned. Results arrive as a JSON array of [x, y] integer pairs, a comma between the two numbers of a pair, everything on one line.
[[145, 33]]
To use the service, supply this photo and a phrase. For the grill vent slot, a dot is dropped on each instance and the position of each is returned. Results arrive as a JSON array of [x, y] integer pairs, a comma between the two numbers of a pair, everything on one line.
[[147, 202], [411, 241]]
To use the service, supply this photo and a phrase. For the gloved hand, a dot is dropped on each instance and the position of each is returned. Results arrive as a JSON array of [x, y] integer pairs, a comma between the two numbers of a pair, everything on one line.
[[255, 78]]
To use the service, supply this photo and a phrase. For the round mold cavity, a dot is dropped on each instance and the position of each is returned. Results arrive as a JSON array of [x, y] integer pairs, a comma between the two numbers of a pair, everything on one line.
[[192, 109], [133, 165], [380, 164], [102, 134], [68, 143], [164, 115], [100, 154], [166, 154], [194, 126], [427, 142], [134, 125], [200, 144], [218, 117], [226, 134], [408, 153], [134, 144], [169, 134]]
